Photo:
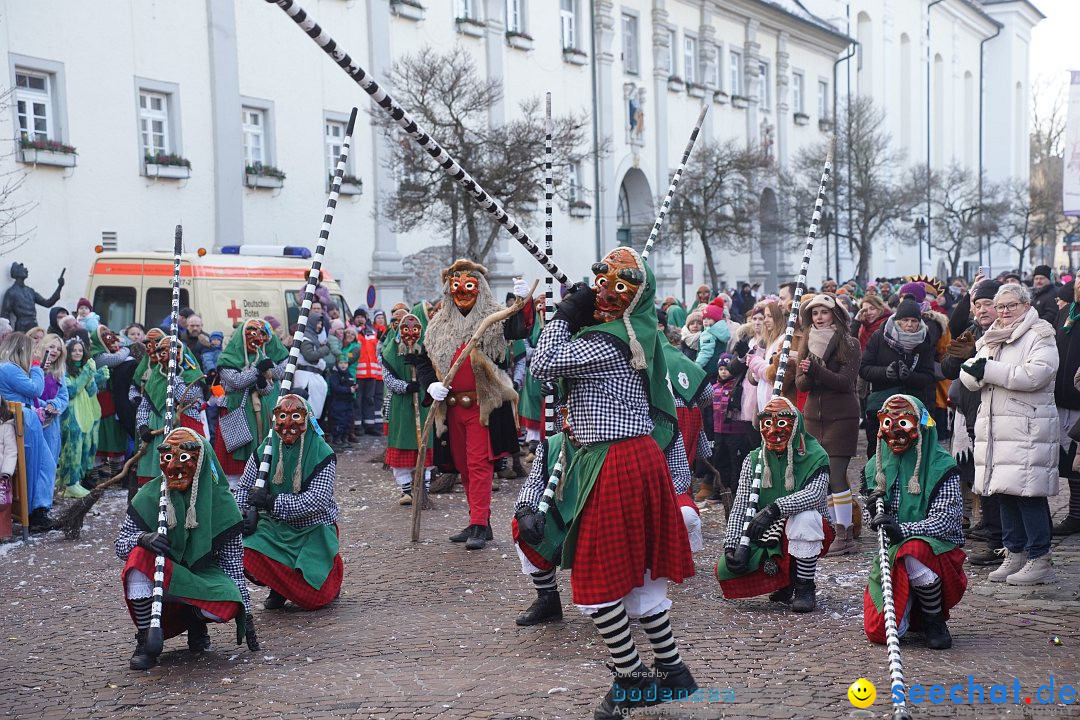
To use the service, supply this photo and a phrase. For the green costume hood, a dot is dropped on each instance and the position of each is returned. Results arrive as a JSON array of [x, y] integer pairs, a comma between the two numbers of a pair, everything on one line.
[[311, 453], [789, 472], [236, 356], [686, 376]]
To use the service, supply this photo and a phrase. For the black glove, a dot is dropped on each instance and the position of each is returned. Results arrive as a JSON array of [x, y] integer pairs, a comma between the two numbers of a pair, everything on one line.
[[264, 365], [734, 566], [259, 497], [873, 497], [249, 634], [903, 371], [412, 388], [251, 521], [411, 358], [577, 307], [762, 521], [530, 525], [975, 368], [741, 348], [154, 542], [892, 372], [261, 382], [886, 522], [144, 434]]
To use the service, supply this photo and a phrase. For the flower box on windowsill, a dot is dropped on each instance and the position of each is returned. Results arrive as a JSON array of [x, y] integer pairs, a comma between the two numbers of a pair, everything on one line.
[[47, 157], [574, 56], [580, 209], [675, 84], [519, 40], [739, 101], [470, 26], [253, 180], [410, 9], [170, 172], [720, 97], [801, 118], [825, 125], [695, 90]]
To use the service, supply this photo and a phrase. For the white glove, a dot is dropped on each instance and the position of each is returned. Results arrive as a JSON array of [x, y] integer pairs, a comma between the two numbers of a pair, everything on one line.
[[438, 391], [521, 288]]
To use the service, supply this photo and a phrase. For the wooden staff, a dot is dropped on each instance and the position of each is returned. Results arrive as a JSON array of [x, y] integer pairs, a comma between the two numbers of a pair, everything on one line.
[[421, 449]]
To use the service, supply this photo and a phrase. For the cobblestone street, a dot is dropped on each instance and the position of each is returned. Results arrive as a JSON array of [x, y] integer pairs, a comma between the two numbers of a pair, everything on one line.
[[427, 631]]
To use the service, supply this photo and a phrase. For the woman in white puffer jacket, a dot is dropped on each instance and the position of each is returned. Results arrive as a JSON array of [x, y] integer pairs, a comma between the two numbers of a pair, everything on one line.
[[1016, 431]]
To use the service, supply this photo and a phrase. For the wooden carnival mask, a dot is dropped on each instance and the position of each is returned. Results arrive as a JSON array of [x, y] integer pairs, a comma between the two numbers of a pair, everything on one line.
[[898, 425], [181, 453], [109, 339], [777, 422], [617, 281], [153, 337], [161, 351], [464, 289], [409, 329], [290, 418], [397, 312], [255, 336]]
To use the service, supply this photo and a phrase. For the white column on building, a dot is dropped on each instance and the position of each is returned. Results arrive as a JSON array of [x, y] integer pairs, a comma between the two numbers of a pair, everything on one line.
[[604, 36], [502, 269], [707, 59], [783, 108], [225, 119], [750, 74]]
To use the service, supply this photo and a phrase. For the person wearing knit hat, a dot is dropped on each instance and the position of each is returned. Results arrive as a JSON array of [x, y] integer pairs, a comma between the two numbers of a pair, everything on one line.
[[1044, 293], [898, 359], [714, 338], [691, 335]]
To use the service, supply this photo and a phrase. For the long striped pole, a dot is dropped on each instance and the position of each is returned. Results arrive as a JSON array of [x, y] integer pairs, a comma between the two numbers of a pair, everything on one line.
[[155, 640], [892, 638], [251, 514], [742, 553], [666, 205], [449, 165]]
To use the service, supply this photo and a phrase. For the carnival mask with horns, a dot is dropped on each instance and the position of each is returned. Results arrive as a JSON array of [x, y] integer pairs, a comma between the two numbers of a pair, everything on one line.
[[290, 418], [898, 425], [777, 421], [616, 283]]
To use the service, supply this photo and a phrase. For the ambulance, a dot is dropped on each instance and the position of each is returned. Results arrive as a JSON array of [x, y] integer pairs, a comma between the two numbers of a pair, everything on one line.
[[226, 288]]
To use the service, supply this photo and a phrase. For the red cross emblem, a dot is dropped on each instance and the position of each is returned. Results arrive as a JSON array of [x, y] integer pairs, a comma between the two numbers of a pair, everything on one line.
[[234, 313]]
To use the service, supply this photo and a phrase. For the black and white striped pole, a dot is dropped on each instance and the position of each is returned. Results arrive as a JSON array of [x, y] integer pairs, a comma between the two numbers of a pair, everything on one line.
[[742, 553], [251, 514], [449, 165], [666, 205], [155, 640], [892, 638]]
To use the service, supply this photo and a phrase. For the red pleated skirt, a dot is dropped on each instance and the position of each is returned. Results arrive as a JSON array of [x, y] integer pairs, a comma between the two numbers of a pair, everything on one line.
[[948, 566]]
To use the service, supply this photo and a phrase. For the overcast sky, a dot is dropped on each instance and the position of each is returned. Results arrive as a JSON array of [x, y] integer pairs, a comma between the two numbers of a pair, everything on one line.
[[1055, 47]]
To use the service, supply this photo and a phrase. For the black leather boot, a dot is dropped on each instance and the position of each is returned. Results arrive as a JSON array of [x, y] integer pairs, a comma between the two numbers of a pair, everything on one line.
[[140, 660], [676, 678], [274, 601], [198, 639], [545, 608], [478, 537], [638, 689], [783, 595], [936, 632], [805, 599]]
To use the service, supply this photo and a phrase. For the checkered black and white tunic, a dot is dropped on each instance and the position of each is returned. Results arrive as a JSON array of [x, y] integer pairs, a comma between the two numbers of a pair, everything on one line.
[[944, 516], [813, 496], [607, 400], [313, 506]]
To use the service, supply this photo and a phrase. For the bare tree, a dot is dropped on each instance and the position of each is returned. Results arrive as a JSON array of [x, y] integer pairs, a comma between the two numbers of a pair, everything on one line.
[[13, 204], [1047, 143], [959, 218], [1021, 217], [453, 102], [718, 200], [879, 193]]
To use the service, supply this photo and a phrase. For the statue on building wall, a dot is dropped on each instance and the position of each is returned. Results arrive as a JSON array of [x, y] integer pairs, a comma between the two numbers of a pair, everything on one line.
[[19, 300], [635, 114], [767, 139]]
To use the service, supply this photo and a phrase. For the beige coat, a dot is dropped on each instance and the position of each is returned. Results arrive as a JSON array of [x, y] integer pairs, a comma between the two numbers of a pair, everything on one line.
[[1016, 431]]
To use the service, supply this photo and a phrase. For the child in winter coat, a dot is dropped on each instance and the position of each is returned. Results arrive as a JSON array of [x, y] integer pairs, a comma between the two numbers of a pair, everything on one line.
[[714, 338], [734, 407], [79, 424], [211, 354], [342, 402]]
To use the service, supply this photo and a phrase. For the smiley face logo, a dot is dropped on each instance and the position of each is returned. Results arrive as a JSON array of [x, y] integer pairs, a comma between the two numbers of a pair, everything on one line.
[[862, 693]]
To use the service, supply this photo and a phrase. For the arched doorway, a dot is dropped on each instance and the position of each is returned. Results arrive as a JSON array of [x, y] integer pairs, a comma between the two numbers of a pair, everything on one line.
[[635, 209], [770, 238]]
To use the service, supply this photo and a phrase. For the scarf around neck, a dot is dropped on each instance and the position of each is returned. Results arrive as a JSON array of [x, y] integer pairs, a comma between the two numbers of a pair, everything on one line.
[[818, 339], [900, 340], [997, 334]]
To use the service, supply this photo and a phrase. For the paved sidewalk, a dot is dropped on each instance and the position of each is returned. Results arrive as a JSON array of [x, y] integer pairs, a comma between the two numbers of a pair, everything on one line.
[[427, 631]]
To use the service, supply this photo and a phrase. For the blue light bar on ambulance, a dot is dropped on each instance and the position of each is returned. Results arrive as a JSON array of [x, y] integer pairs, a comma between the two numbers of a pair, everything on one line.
[[267, 250]]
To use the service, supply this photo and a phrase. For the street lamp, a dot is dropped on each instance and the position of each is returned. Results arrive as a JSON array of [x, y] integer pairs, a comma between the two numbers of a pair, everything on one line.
[[920, 227]]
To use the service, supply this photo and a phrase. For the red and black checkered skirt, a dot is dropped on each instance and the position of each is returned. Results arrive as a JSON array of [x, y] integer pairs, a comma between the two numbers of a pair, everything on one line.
[[185, 421], [758, 583], [690, 423], [229, 464], [290, 582], [398, 458], [173, 614], [630, 524], [948, 566]]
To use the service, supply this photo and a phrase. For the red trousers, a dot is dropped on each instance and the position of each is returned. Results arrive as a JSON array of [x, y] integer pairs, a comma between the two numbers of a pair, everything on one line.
[[470, 446]]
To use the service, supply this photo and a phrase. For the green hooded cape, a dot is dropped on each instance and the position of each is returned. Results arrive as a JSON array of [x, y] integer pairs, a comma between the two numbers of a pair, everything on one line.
[[154, 389], [195, 573], [402, 420], [809, 457], [236, 357], [310, 549], [565, 506], [686, 376], [935, 464]]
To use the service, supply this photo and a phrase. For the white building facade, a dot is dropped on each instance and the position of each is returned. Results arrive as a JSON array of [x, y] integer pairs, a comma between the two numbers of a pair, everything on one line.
[[228, 86]]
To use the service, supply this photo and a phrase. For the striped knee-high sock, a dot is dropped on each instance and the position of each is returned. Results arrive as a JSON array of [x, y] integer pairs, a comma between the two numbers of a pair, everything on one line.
[[142, 608], [929, 597], [658, 630], [805, 568], [842, 507], [614, 627], [544, 581]]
